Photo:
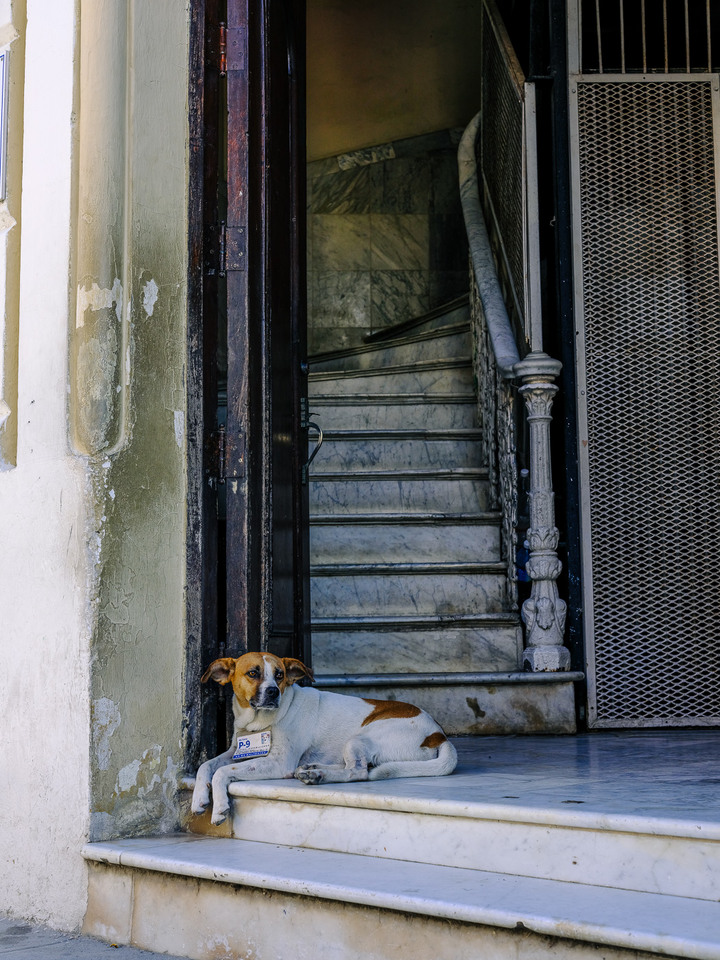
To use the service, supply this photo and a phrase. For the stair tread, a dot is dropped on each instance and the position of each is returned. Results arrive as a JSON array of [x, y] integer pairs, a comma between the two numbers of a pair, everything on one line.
[[386, 399], [412, 620], [458, 473], [437, 333], [419, 366], [349, 569], [488, 517], [678, 926], [391, 433]]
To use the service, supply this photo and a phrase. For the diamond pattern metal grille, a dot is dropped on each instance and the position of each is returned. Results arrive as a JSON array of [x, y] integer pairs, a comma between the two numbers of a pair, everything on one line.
[[652, 374]]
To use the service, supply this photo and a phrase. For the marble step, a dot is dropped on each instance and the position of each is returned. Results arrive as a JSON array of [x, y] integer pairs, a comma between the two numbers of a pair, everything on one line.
[[380, 540], [439, 824], [399, 589], [426, 377], [444, 343], [412, 411], [200, 896], [444, 492], [466, 644], [357, 451]]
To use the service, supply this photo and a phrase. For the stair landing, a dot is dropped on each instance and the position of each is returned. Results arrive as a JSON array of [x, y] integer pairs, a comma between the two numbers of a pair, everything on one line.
[[545, 847]]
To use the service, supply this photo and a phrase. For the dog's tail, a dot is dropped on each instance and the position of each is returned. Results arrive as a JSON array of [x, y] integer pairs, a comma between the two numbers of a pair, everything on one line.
[[439, 766]]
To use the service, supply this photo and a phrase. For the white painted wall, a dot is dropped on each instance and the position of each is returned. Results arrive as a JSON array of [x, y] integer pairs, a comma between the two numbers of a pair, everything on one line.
[[45, 560]]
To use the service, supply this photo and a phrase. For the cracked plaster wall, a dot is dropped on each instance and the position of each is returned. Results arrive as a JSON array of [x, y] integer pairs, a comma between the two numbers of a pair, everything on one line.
[[92, 518]]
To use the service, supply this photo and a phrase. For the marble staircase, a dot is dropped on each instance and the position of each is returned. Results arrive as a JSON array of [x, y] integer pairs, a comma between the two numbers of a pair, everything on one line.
[[408, 591]]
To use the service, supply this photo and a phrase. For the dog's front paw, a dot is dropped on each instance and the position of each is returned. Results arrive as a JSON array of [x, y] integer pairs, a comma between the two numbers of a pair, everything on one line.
[[310, 774], [219, 814], [201, 798]]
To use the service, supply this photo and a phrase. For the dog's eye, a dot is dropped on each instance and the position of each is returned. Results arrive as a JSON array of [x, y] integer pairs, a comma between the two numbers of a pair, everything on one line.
[[254, 673], [279, 675]]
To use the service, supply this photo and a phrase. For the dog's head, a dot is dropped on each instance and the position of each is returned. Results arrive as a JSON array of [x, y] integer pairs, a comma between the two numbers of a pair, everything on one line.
[[259, 679]]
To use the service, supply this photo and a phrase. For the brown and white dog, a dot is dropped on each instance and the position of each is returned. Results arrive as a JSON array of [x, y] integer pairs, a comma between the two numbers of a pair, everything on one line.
[[317, 737]]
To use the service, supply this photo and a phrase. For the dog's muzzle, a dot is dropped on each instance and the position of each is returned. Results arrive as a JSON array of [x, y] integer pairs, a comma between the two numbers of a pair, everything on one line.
[[267, 699]]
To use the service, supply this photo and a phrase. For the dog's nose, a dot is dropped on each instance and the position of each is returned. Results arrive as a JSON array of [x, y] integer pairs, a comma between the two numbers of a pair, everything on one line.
[[272, 693]]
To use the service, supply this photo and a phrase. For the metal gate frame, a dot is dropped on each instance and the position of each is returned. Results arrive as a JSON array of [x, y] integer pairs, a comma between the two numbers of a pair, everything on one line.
[[576, 80]]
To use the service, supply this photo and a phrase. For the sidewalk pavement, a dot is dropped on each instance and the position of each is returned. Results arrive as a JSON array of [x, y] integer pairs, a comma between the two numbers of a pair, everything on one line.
[[31, 941]]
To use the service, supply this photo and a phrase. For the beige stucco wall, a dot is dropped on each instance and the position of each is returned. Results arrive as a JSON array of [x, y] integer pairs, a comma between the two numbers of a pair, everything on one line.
[[92, 517], [380, 71]]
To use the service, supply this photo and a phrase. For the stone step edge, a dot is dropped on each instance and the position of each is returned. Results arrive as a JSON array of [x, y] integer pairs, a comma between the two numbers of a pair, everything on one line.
[[487, 678], [489, 518], [419, 366], [436, 333], [459, 473], [463, 435], [406, 569], [655, 923], [391, 399], [418, 622]]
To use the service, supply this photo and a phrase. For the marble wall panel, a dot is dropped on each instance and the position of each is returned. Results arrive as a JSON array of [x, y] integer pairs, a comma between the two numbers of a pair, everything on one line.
[[392, 211], [399, 241], [397, 295], [341, 243]]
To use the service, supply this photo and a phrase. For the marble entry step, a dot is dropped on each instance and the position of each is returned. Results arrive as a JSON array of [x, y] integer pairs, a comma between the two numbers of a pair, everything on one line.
[[448, 492], [446, 342], [412, 822], [380, 541], [169, 894], [412, 411], [355, 451], [427, 377], [439, 645], [480, 589]]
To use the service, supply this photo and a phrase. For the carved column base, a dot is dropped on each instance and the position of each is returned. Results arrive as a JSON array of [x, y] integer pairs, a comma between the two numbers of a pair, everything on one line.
[[546, 659]]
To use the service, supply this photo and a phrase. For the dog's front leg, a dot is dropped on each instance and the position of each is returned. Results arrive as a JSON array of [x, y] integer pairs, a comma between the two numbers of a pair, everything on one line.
[[264, 768], [203, 780]]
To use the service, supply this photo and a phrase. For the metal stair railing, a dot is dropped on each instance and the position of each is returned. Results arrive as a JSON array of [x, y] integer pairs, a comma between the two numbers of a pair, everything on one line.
[[497, 153]]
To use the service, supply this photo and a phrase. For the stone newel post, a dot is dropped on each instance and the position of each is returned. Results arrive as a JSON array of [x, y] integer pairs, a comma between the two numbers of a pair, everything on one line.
[[544, 613]]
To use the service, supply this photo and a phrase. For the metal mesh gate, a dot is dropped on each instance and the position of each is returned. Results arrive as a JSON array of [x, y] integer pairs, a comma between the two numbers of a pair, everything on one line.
[[648, 315]]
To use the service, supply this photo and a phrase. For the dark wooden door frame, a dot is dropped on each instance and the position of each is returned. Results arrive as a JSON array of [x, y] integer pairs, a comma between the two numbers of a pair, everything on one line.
[[246, 269]]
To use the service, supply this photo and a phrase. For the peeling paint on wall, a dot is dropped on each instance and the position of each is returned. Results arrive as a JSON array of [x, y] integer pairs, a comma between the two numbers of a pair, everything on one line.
[[105, 721], [98, 298], [150, 296], [179, 422]]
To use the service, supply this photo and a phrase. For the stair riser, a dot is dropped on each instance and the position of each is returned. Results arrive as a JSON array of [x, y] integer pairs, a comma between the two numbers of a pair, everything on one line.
[[441, 347], [444, 497], [441, 380], [204, 920], [359, 454], [387, 543], [667, 865], [366, 415], [404, 595], [447, 650]]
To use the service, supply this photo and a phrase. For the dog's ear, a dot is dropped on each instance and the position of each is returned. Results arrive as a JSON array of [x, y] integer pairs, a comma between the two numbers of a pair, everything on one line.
[[220, 670], [296, 670]]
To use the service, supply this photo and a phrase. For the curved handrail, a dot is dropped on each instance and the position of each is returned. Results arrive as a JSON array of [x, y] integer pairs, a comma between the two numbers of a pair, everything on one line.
[[499, 327]]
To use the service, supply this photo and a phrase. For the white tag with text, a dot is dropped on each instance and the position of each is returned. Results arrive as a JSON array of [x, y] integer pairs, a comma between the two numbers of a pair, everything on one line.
[[253, 745]]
